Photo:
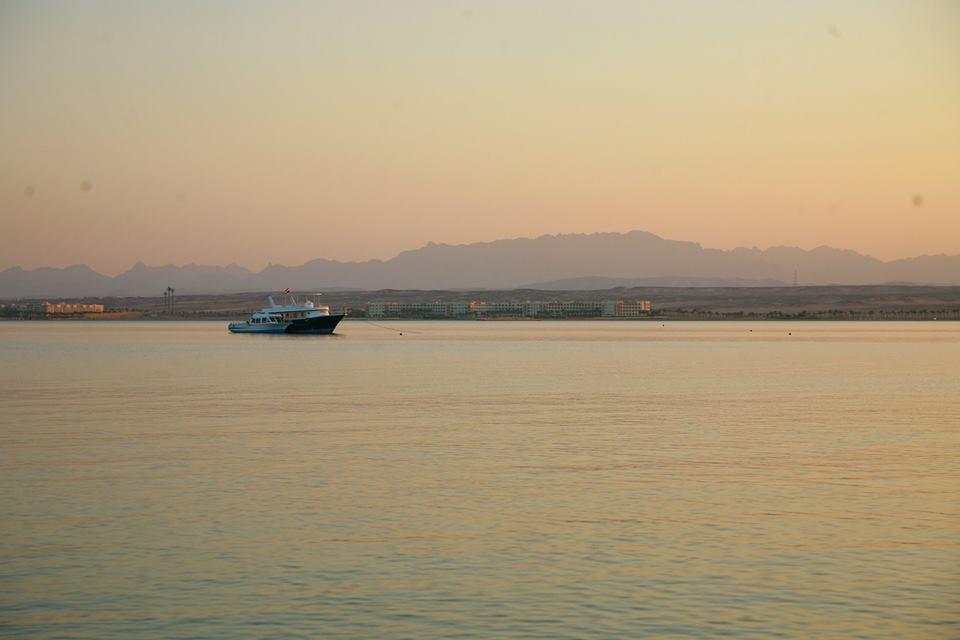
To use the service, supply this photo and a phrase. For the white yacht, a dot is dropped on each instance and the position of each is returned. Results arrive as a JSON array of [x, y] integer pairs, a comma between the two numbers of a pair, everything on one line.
[[307, 317]]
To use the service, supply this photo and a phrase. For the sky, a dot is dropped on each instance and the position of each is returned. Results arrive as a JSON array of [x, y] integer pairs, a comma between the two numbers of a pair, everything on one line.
[[257, 132]]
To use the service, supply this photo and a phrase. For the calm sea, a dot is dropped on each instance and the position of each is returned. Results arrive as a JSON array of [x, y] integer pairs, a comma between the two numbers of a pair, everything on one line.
[[480, 480]]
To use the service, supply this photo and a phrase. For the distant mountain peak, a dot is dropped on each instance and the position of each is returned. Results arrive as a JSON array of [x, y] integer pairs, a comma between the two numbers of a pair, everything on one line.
[[611, 257]]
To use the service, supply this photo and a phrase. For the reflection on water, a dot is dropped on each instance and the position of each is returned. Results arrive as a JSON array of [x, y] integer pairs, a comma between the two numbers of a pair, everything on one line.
[[468, 479]]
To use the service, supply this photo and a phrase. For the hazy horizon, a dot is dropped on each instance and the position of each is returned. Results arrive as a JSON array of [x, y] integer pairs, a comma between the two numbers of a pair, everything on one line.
[[247, 133], [269, 262]]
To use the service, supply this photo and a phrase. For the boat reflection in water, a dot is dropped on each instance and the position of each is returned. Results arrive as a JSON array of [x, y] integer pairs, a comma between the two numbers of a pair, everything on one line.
[[305, 318]]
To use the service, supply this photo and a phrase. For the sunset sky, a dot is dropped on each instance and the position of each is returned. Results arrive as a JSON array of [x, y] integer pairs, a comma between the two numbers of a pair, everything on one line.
[[251, 132]]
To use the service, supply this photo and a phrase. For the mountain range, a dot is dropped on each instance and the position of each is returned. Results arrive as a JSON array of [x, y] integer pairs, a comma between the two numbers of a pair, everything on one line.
[[566, 261]]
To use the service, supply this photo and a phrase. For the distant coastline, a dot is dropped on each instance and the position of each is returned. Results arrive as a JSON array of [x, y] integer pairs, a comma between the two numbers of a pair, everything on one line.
[[822, 303]]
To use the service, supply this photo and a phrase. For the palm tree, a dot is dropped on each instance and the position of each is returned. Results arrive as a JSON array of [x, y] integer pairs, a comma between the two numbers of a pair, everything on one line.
[[168, 300]]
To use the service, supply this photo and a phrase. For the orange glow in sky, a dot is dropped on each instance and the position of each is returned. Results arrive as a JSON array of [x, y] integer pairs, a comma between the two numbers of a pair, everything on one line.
[[255, 132]]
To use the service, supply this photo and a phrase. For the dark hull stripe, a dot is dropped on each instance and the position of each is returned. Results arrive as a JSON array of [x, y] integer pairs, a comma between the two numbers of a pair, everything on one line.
[[318, 324]]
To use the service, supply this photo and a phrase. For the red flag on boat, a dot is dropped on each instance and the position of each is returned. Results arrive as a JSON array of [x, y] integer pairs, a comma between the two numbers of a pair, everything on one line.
[[287, 290]]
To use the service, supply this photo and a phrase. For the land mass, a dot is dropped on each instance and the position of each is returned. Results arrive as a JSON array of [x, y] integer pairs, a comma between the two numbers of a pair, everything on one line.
[[550, 262], [875, 302]]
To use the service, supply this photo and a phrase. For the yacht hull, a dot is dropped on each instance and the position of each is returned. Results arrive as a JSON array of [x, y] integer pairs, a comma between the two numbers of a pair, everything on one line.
[[315, 325]]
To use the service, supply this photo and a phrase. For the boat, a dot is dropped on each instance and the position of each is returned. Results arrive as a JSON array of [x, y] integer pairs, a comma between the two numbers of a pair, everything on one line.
[[297, 318]]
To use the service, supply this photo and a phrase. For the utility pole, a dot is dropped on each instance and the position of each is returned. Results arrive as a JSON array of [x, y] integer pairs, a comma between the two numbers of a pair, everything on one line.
[[794, 277]]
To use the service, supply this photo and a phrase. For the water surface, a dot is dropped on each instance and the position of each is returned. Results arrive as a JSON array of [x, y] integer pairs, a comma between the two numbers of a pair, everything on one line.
[[480, 479]]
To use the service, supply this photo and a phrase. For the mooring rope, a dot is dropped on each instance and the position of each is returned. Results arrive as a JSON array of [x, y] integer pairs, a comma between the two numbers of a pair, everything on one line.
[[394, 329]]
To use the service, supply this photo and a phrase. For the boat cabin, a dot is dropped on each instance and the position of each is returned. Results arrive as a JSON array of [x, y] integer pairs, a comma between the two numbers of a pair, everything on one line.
[[266, 318]]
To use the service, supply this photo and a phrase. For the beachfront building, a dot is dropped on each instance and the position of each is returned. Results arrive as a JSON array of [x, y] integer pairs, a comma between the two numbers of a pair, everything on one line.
[[527, 309], [626, 308], [66, 308], [483, 309], [569, 309], [417, 309]]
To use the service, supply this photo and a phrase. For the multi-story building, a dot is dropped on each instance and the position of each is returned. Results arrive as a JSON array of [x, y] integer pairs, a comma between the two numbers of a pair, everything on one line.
[[631, 308], [482, 308], [417, 309], [570, 309], [528, 309], [61, 308]]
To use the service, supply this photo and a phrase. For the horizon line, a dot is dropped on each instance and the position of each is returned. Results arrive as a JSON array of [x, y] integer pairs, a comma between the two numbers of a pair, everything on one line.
[[431, 243]]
